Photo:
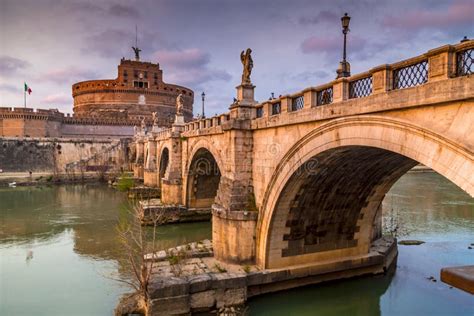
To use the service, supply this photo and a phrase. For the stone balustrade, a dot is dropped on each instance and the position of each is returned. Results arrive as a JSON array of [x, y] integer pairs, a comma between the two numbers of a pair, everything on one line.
[[437, 64]]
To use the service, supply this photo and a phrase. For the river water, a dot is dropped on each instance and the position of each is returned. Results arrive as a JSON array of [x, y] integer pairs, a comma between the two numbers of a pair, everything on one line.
[[58, 250]]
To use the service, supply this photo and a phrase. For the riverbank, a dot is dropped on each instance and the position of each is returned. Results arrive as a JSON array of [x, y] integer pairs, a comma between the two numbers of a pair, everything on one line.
[[47, 178], [188, 279]]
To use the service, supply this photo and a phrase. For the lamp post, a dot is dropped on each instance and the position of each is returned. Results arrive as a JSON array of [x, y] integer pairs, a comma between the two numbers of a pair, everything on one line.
[[344, 69], [203, 96]]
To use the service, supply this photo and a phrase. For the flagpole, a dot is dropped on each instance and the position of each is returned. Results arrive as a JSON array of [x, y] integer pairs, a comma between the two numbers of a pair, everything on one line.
[[24, 95]]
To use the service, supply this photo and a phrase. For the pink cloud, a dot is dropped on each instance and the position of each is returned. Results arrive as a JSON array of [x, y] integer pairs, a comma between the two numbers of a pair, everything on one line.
[[58, 98], [457, 13], [69, 74]]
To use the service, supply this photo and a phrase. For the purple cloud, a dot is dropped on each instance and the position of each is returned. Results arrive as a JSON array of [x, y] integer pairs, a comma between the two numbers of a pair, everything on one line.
[[456, 14], [182, 59], [108, 43], [323, 16], [57, 98], [70, 74], [11, 65], [124, 11], [189, 66], [10, 88], [329, 45]]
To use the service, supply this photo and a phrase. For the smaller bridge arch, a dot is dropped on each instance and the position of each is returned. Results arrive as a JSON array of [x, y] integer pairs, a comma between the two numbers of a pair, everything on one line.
[[203, 175], [163, 164]]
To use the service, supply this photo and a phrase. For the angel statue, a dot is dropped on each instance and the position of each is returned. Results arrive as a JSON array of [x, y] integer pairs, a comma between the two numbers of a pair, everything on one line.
[[143, 126], [179, 105], [247, 62], [154, 115], [137, 51]]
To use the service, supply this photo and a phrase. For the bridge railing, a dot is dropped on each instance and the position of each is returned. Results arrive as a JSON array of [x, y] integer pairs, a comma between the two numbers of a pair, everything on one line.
[[206, 123], [360, 86], [437, 64]]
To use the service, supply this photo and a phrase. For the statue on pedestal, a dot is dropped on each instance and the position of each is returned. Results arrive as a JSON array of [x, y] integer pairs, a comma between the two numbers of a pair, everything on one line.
[[143, 127], [155, 128], [137, 51], [179, 105], [247, 62]]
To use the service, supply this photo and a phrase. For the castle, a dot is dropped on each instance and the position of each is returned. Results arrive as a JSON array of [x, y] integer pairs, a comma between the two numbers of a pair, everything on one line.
[[105, 108]]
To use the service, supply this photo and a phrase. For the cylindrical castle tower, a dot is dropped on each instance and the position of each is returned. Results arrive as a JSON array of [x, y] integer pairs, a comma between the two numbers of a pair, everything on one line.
[[138, 91]]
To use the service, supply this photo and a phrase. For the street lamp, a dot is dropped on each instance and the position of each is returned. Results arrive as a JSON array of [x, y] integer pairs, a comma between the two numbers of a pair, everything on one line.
[[203, 95], [344, 69]]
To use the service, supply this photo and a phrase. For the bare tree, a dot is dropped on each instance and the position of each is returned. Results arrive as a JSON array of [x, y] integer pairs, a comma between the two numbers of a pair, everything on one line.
[[136, 244]]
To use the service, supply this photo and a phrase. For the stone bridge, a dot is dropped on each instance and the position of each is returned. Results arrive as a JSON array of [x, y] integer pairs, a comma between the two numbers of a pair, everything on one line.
[[299, 180]]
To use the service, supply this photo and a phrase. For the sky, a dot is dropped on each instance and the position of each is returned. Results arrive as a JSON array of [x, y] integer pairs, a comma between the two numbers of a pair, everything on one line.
[[296, 43]]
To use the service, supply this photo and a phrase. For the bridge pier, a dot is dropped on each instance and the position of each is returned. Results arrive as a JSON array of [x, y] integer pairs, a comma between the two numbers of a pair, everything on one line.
[[149, 170], [234, 214], [172, 182], [138, 165]]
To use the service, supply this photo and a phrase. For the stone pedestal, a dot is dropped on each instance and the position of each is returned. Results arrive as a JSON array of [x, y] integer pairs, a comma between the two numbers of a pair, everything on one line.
[[179, 120], [245, 94], [155, 129]]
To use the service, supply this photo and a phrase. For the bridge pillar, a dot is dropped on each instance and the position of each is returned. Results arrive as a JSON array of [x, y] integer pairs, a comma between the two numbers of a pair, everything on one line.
[[138, 167], [234, 214], [172, 183], [149, 170]]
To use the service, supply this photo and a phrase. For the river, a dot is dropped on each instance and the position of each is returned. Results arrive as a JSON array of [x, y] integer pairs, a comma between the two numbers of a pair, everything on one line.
[[58, 251]]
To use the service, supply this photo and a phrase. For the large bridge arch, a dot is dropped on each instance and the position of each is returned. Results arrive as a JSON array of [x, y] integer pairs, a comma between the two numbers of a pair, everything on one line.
[[323, 196], [202, 177]]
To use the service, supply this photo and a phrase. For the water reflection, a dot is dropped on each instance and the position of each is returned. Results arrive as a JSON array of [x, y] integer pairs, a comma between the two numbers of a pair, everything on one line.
[[68, 234]]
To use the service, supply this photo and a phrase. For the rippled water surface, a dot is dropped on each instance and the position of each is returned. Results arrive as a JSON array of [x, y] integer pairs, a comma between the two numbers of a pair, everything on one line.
[[58, 245]]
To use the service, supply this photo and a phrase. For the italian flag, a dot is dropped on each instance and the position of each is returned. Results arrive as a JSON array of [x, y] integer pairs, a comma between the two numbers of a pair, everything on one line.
[[28, 89]]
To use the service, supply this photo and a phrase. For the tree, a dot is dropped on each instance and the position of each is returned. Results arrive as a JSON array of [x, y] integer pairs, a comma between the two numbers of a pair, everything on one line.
[[137, 243]]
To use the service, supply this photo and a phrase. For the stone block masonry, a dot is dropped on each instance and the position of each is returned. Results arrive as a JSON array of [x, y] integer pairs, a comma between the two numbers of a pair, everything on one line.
[[187, 279]]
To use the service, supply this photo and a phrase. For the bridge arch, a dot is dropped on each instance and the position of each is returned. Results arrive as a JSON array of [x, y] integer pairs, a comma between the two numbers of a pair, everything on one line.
[[203, 175], [163, 164], [324, 195]]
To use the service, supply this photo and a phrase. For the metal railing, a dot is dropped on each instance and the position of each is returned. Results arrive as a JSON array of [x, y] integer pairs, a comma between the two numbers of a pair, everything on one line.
[[410, 76], [297, 103], [276, 108], [324, 96], [465, 62], [360, 88]]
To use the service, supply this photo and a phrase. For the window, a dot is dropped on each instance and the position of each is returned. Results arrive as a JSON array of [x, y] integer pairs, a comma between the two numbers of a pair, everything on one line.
[[140, 84], [259, 112]]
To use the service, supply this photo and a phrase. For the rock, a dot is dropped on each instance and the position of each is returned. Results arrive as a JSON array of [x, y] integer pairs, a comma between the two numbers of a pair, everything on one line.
[[411, 242], [131, 304]]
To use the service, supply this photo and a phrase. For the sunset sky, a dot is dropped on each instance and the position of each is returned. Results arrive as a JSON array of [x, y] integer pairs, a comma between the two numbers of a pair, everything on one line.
[[296, 44]]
